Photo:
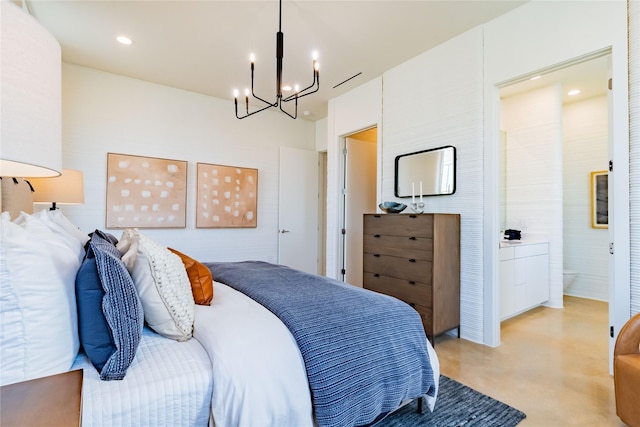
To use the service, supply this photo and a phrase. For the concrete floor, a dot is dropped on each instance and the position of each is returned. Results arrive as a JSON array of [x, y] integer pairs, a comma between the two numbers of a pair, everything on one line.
[[552, 365]]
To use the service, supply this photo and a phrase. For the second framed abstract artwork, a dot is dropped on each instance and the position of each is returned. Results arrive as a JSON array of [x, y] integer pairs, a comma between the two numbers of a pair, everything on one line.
[[227, 196]]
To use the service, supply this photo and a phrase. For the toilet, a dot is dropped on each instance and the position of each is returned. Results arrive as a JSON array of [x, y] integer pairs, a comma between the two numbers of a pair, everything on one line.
[[568, 276]]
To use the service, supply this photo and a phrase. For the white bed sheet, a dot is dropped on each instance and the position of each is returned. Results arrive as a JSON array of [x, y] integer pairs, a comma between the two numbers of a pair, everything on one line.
[[169, 383], [259, 376]]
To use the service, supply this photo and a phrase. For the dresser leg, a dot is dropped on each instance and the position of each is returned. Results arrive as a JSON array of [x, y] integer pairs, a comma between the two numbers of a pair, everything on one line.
[[421, 405]]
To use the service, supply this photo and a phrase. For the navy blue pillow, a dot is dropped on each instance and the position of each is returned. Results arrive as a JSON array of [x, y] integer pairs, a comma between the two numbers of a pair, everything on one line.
[[95, 335], [119, 308]]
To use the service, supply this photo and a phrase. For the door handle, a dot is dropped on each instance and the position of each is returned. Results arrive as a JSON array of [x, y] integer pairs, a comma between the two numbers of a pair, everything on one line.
[[284, 231]]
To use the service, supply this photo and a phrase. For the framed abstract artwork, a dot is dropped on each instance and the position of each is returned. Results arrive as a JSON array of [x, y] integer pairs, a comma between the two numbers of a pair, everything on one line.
[[227, 196], [600, 199], [145, 192]]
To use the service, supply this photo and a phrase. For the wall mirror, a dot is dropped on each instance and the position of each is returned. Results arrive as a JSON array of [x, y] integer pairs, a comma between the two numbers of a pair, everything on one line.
[[433, 171]]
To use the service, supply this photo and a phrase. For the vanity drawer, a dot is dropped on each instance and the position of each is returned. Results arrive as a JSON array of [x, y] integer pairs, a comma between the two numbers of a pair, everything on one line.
[[399, 246], [399, 225], [401, 268], [531, 250], [405, 290]]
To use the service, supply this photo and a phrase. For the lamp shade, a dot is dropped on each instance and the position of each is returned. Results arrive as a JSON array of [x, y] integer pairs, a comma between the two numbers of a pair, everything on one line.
[[67, 188], [30, 96]]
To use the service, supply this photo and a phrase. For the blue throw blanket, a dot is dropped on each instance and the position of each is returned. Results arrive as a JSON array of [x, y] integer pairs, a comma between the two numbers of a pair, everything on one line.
[[364, 352]]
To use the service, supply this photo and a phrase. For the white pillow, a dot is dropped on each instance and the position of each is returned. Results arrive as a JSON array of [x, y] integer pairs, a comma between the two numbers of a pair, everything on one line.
[[162, 284], [58, 217], [71, 241], [38, 318]]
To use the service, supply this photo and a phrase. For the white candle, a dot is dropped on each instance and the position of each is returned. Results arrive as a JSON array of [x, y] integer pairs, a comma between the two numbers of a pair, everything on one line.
[[420, 191], [413, 192]]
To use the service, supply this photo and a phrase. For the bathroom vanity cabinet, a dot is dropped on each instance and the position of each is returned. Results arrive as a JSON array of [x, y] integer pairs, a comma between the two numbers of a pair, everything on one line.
[[524, 277]]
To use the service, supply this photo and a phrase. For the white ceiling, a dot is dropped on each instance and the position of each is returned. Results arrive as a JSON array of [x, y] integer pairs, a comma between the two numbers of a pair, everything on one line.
[[590, 77], [203, 46]]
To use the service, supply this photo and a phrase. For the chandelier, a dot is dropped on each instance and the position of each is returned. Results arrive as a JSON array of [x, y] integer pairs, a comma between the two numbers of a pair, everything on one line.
[[280, 100]]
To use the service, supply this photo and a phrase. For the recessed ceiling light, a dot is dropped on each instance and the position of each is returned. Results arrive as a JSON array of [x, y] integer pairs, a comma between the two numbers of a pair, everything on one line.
[[124, 40], [573, 92], [535, 77], [286, 88]]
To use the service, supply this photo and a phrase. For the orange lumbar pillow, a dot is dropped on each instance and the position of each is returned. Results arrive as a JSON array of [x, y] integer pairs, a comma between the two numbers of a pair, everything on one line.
[[200, 278]]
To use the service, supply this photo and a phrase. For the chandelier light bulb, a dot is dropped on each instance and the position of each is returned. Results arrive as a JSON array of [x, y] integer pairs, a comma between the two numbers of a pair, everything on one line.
[[316, 66], [236, 93], [252, 58], [314, 55], [297, 88], [246, 93]]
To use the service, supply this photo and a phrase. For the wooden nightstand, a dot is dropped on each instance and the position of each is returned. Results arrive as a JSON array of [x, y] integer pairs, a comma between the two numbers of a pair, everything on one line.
[[51, 401]]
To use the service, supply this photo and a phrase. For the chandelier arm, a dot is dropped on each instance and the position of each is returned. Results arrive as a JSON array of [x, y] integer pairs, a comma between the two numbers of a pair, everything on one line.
[[293, 116], [254, 112], [303, 92], [270, 104]]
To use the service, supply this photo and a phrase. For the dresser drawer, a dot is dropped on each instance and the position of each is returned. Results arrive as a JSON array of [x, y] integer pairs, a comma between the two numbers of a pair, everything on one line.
[[400, 246], [399, 225], [408, 291], [401, 268]]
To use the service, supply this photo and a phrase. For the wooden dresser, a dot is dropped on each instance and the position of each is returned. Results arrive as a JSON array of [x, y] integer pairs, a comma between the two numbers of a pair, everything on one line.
[[416, 258]]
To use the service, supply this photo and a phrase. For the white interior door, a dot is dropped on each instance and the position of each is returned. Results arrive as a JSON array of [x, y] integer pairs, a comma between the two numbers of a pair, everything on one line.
[[298, 209]]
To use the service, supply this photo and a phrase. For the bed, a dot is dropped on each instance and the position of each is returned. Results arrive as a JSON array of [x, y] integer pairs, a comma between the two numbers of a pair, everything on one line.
[[244, 368]]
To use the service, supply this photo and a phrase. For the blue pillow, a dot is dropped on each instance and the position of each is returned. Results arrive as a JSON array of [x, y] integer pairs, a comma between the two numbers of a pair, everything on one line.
[[110, 349], [95, 335]]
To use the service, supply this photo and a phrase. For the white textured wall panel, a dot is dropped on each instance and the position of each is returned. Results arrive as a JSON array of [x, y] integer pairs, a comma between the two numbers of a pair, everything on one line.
[[634, 149], [354, 111], [104, 113], [585, 149], [533, 125], [432, 100]]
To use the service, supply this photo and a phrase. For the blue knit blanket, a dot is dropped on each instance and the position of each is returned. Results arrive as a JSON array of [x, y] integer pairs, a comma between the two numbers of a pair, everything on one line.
[[364, 352]]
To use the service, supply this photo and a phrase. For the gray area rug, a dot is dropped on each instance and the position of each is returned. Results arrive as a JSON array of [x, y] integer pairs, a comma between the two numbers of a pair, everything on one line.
[[457, 406]]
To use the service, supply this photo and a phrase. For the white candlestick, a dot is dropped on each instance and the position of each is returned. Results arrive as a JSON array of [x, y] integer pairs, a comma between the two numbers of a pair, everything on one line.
[[420, 191], [413, 192]]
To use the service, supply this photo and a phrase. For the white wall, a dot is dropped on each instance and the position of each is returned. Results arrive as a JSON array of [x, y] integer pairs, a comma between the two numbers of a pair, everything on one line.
[[586, 249], [104, 113], [533, 125], [634, 143], [354, 111]]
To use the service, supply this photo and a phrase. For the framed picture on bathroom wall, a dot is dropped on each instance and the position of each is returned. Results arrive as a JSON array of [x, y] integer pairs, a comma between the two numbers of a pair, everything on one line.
[[227, 196], [600, 199]]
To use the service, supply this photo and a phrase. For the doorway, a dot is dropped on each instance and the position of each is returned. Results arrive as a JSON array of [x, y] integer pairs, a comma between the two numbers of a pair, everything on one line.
[[572, 105], [359, 197]]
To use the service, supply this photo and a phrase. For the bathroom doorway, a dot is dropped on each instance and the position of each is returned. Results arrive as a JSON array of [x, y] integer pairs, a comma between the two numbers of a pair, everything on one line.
[[546, 181], [359, 197]]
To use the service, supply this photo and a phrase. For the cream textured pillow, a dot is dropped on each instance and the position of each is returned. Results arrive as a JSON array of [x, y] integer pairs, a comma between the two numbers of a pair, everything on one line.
[[162, 284]]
